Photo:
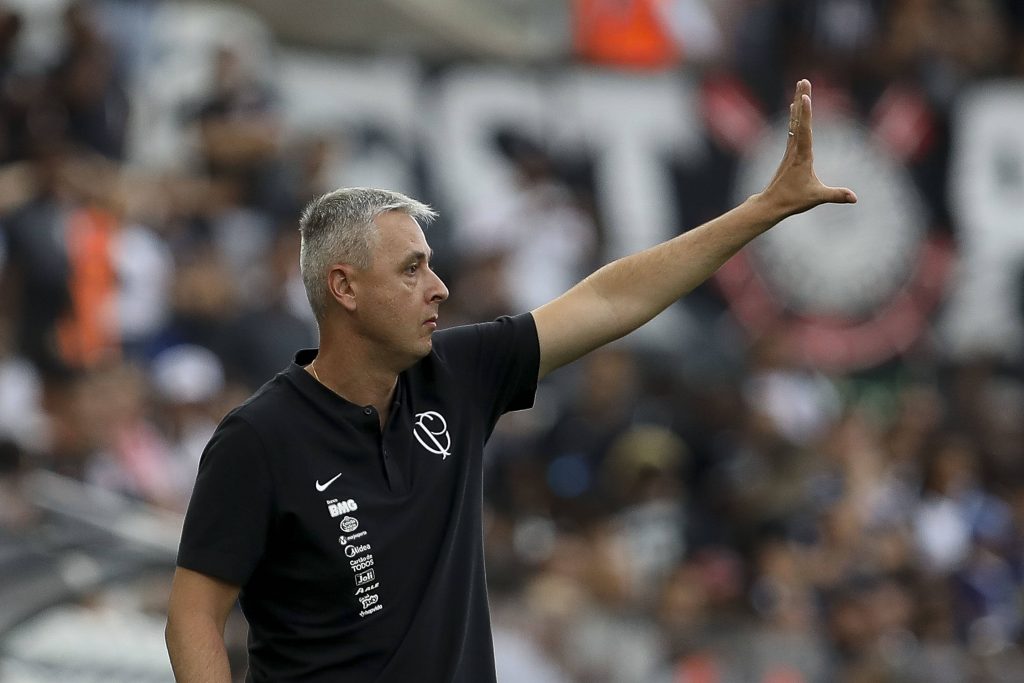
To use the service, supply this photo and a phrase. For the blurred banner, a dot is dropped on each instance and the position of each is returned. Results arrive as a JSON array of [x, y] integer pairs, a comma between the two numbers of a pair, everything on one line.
[[850, 289]]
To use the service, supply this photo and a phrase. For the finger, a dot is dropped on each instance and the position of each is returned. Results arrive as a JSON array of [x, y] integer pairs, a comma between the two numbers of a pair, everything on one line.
[[794, 116], [803, 131], [838, 195], [797, 92], [803, 88]]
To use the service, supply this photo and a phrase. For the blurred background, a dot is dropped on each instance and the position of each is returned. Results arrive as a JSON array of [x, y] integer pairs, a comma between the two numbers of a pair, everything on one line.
[[811, 469]]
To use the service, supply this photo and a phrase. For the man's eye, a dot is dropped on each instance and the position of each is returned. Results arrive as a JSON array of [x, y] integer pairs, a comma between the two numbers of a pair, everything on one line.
[[411, 270]]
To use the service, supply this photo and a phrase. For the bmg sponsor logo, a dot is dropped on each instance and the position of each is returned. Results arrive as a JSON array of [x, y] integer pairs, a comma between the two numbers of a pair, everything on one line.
[[338, 508]]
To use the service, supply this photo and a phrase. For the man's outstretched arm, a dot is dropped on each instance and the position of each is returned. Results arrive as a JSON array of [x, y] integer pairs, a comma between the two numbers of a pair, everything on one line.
[[625, 294]]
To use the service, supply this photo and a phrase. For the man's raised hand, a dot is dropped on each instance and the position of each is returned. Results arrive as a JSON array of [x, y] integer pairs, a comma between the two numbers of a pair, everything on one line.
[[795, 188]]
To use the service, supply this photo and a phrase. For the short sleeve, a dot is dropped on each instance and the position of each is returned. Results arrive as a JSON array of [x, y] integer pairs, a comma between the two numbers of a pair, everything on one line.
[[500, 358], [229, 514]]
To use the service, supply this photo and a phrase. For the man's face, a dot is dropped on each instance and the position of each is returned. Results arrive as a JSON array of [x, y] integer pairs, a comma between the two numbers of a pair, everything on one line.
[[398, 295]]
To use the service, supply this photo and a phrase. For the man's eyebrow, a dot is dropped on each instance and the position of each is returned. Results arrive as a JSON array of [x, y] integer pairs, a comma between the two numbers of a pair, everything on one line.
[[422, 255]]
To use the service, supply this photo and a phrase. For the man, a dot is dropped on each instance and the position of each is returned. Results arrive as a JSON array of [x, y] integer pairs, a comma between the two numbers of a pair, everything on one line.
[[342, 503]]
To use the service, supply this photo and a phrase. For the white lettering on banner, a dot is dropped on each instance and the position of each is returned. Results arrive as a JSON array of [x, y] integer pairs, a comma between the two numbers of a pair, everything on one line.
[[629, 144], [470, 105], [626, 125], [986, 191], [378, 95], [365, 577], [367, 600], [349, 524], [579, 109], [183, 47], [367, 589]]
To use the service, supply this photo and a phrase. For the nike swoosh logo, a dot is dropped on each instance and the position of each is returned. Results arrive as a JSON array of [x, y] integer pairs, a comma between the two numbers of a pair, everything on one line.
[[323, 487]]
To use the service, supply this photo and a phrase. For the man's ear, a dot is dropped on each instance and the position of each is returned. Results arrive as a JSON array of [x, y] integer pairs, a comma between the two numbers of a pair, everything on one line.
[[339, 284]]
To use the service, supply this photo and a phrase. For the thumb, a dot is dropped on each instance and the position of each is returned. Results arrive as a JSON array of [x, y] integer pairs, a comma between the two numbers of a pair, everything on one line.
[[838, 195]]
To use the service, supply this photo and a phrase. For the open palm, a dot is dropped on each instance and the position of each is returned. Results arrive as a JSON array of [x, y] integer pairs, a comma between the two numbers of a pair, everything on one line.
[[795, 187]]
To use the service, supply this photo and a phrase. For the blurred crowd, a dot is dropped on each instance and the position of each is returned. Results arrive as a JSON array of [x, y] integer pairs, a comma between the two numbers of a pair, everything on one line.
[[763, 521]]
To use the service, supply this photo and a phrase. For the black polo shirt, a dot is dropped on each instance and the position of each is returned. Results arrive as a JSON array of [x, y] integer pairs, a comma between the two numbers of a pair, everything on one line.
[[359, 551]]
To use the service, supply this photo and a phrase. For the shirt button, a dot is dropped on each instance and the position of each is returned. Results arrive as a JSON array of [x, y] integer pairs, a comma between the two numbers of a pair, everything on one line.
[[368, 411]]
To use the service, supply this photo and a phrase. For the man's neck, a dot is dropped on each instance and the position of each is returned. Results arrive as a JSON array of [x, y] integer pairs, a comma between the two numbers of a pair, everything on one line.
[[358, 380]]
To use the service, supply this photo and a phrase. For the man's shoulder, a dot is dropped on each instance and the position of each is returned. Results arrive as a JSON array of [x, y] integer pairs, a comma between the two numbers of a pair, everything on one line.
[[273, 403], [482, 332]]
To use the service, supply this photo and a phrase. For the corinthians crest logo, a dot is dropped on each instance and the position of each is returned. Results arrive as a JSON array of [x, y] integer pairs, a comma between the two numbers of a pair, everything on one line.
[[431, 430]]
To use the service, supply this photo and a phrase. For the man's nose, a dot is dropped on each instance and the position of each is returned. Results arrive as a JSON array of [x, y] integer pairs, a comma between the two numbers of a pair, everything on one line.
[[439, 291]]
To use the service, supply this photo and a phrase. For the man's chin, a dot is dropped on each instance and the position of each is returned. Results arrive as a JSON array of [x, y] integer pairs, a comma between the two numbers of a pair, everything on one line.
[[424, 348]]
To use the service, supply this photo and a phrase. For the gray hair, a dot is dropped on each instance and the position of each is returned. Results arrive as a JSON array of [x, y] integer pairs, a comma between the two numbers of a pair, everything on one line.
[[338, 227]]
